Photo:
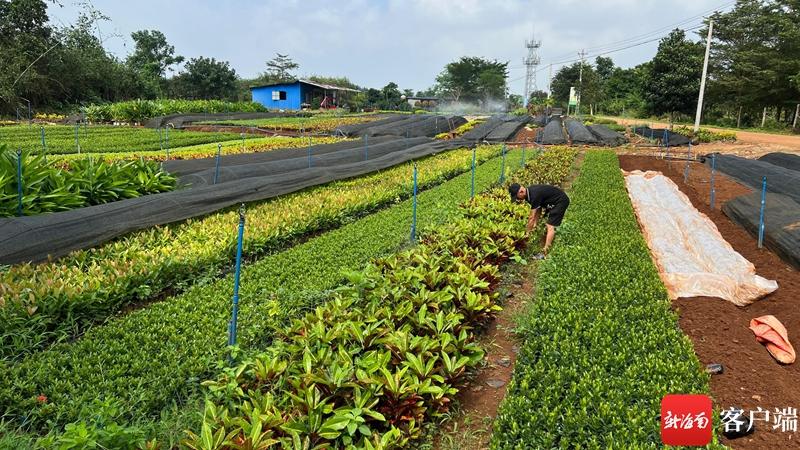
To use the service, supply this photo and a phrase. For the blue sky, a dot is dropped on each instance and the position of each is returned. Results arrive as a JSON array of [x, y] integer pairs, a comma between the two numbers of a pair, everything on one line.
[[405, 41]]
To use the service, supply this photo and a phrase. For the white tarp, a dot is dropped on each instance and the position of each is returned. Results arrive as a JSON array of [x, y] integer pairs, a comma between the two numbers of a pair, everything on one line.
[[692, 257]]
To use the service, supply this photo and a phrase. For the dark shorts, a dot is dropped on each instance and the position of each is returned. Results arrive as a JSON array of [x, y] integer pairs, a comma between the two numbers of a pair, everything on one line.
[[556, 214]]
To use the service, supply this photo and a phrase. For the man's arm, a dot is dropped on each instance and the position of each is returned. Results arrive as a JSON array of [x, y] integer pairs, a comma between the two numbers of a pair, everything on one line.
[[532, 220]]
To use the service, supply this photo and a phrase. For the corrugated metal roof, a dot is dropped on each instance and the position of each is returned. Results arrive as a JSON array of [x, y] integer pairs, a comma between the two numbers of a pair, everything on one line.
[[312, 83]]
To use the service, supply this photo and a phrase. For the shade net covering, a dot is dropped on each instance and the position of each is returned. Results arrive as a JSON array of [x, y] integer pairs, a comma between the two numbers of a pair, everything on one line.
[[781, 222], [552, 133], [607, 136], [786, 160], [578, 133], [692, 257], [36, 238], [673, 139], [750, 172]]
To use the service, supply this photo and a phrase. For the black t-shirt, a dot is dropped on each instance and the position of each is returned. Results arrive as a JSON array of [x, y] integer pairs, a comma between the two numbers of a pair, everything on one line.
[[544, 196]]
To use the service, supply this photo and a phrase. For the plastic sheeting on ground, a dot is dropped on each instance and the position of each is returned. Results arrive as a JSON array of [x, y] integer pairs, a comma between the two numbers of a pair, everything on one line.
[[179, 120], [692, 257], [35, 238], [786, 160], [578, 133], [750, 172], [781, 222], [356, 128]]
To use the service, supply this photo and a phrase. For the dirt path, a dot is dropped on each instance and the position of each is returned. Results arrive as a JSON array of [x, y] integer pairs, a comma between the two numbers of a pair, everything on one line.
[[719, 330], [748, 143]]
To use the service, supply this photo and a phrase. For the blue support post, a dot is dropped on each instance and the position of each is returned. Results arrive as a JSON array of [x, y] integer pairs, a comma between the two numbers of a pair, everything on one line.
[[414, 208], [161, 139], [19, 182], [232, 326], [503, 165], [761, 215], [167, 140], [77, 142], [242, 141], [522, 162], [686, 170], [472, 191], [713, 170], [216, 163], [44, 143], [366, 147]]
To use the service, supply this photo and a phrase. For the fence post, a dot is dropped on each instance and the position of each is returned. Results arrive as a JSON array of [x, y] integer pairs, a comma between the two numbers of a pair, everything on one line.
[[503, 165], [161, 139], [216, 164], [167, 140], [713, 169], [414, 208], [77, 143], [19, 182], [686, 171], [366, 147], [309, 153], [232, 326], [242, 134], [761, 215], [522, 163], [44, 143], [472, 191]]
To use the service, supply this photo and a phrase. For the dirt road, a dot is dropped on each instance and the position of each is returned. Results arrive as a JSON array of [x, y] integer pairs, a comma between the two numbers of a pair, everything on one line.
[[748, 144]]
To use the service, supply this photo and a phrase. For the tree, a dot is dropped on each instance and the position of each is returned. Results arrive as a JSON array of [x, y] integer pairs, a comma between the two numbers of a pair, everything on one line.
[[674, 78], [473, 79], [206, 78], [568, 77], [279, 69], [334, 81], [152, 53], [514, 101]]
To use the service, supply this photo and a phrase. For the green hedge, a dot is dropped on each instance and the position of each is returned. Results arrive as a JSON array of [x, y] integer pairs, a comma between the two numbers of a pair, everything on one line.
[[153, 357], [141, 110], [600, 344]]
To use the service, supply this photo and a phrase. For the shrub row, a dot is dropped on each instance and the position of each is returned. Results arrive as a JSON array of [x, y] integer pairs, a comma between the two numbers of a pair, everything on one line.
[[54, 300], [600, 345], [67, 140], [151, 358], [87, 182], [141, 110], [705, 135]]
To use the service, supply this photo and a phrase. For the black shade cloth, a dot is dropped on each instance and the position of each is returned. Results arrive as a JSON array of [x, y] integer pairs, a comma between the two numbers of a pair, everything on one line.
[[781, 222], [750, 172], [578, 132], [607, 136], [785, 160], [54, 235]]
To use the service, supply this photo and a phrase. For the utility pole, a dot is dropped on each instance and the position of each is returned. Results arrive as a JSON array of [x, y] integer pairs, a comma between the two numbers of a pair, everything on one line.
[[582, 54], [531, 62], [550, 81], [703, 79]]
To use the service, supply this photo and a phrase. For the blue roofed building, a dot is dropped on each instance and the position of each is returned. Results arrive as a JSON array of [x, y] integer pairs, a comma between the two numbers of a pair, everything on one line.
[[301, 94]]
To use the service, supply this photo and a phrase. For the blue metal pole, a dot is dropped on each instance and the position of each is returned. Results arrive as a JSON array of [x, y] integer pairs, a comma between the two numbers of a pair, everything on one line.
[[414, 208], [44, 143], [161, 139], [235, 313], [503, 165], [309, 154], [167, 140], [686, 170], [713, 170], [472, 192], [77, 143], [242, 141], [761, 215], [216, 165], [366, 147], [522, 163], [19, 182]]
